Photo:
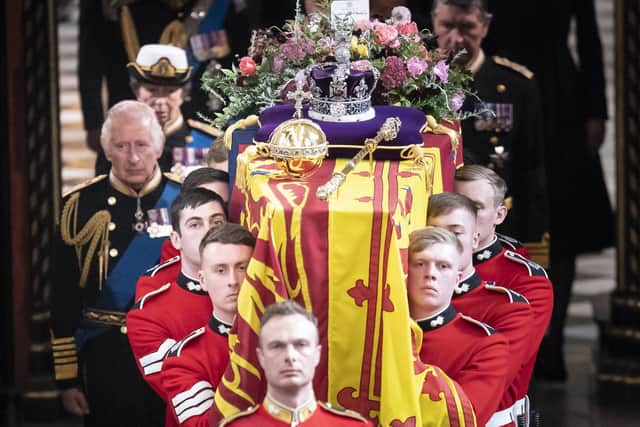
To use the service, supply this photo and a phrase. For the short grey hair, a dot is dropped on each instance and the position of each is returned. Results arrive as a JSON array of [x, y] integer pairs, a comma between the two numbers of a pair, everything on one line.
[[128, 110]]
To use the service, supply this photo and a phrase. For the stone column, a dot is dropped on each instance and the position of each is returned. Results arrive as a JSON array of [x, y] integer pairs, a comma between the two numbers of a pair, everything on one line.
[[618, 370]]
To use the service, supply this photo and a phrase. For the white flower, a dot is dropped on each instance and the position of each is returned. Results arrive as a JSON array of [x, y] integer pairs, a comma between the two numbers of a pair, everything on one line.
[[400, 15]]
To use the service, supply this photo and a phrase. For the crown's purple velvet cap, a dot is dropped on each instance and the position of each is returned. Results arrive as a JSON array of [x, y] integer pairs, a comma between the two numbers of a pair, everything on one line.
[[353, 133]]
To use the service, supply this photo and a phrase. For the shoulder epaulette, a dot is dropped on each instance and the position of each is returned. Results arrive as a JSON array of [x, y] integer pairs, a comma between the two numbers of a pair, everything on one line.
[[176, 349], [342, 411], [534, 269], [153, 270], [509, 241], [85, 184], [513, 295], [173, 177], [486, 328], [237, 415], [145, 297], [514, 66], [206, 128]]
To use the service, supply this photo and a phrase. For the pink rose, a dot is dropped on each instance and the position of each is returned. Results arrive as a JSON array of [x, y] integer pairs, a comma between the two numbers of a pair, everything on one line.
[[456, 101], [441, 70], [384, 34], [247, 65], [364, 25], [361, 65], [407, 28], [416, 66]]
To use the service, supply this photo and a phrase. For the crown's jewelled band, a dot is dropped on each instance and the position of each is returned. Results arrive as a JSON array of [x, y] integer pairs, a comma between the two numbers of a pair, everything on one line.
[[341, 111]]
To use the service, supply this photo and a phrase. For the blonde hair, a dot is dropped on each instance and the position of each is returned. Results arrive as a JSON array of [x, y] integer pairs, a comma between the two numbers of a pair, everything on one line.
[[424, 238], [476, 173]]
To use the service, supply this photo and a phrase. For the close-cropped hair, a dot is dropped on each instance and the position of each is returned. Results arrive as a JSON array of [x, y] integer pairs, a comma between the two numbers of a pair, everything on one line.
[[217, 152], [191, 198], [444, 203], [228, 234], [477, 172], [204, 175], [467, 6], [125, 111], [287, 308], [424, 238]]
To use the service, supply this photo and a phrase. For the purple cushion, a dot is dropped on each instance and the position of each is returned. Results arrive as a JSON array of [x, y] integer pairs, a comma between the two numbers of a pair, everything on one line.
[[353, 134]]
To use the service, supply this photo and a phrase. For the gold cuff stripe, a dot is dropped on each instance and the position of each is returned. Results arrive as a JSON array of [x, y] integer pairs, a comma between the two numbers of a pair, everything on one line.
[[67, 340], [64, 347], [66, 372], [65, 353], [65, 360]]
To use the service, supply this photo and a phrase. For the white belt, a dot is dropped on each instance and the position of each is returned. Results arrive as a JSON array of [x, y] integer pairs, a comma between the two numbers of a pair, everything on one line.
[[510, 415]]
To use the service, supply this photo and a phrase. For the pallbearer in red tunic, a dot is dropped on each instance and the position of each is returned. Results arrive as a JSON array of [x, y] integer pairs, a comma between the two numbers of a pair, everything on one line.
[[506, 267], [504, 309], [289, 352], [194, 367], [166, 314], [469, 351], [212, 179]]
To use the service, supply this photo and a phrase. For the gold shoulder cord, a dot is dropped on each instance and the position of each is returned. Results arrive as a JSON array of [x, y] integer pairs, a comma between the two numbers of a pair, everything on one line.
[[129, 34], [175, 33], [95, 232]]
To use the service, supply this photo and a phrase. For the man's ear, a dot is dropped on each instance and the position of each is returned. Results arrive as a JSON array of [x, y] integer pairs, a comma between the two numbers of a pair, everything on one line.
[[486, 24], [159, 151], [458, 276], [317, 362], [202, 280], [476, 241], [107, 153], [501, 214], [260, 356], [176, 240]]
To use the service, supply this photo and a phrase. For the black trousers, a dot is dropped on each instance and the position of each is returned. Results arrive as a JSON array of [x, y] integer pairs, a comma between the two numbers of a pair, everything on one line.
[[115, 390]]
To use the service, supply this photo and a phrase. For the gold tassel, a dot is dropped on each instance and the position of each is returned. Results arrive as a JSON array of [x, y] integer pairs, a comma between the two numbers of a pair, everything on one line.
[[95, 233], [438, 129], [175, 34], [240, 124], [129, 34]]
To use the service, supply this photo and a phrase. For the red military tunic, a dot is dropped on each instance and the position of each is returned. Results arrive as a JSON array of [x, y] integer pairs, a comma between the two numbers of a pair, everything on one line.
[[168, 251], [509, 269], [471, 353], [161, 274], [509, 313], [311, 414], [508, 242], [192, 371], [159, 320]]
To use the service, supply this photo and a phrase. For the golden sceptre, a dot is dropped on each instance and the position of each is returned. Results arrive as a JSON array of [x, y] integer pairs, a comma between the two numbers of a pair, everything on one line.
[[387, 132]]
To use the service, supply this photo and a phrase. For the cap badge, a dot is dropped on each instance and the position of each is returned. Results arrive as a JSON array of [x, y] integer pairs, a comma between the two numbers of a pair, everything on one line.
[[163, 68]]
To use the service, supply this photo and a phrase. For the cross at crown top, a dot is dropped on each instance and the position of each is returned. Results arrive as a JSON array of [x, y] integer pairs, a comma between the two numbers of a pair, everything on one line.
[[299, 95]]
